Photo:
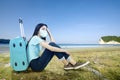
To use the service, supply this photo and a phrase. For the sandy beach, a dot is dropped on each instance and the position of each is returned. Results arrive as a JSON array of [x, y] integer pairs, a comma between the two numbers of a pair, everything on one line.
[[104, 65]]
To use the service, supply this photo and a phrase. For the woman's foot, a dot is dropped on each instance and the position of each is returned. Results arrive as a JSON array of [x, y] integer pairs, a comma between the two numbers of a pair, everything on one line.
[[68, 67], [80, 64], [76, 66]]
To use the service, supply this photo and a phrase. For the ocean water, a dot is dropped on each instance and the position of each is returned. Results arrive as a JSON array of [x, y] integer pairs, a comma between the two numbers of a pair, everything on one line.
[[87, 45], [5, 47]]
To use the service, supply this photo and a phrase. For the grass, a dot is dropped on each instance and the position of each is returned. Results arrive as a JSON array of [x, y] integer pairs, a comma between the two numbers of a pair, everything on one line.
[[104, 60]]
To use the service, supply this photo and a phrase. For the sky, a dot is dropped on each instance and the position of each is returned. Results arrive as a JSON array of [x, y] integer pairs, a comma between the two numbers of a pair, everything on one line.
[[70, 21]]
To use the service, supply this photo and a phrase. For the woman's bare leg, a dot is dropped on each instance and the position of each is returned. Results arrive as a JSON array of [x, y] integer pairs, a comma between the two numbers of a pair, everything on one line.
[[72, 61], [65, 62]]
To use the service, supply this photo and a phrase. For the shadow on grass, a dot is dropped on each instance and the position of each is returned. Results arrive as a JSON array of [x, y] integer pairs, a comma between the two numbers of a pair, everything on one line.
[[47, 75], [30, 75]]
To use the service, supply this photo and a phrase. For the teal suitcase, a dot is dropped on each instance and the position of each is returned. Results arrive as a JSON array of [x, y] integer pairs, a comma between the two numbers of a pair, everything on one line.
[[18, 54]]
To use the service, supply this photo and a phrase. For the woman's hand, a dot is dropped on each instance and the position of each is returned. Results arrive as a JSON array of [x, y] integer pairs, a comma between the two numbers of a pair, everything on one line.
[[50, 35], [48, 30]]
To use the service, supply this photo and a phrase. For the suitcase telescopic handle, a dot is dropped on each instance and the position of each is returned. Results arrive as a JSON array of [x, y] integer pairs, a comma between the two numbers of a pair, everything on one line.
[[22, 28]]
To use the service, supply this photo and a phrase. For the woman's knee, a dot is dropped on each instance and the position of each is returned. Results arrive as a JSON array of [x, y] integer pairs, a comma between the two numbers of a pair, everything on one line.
[[54, 44]]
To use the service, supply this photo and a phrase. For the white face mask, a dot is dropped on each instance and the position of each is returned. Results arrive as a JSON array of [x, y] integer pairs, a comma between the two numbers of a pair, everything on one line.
[[43, 33]]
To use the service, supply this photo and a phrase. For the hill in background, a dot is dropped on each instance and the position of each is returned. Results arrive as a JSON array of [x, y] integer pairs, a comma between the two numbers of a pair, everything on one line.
[[110, 40], [4, 41]]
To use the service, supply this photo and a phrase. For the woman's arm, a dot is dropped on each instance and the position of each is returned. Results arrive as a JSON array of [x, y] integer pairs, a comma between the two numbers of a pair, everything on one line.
[[50, 35], [51, 48]]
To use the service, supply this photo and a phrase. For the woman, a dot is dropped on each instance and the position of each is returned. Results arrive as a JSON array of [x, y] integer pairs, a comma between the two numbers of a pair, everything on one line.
[[38, 41]]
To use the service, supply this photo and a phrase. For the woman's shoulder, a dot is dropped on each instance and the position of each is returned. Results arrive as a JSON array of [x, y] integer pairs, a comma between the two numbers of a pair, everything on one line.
[[36, 38]]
